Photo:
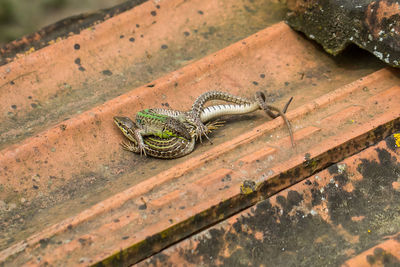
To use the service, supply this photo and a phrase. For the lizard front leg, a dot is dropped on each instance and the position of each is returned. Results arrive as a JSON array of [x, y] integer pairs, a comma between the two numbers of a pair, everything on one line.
[[133, 132], [138, 135]]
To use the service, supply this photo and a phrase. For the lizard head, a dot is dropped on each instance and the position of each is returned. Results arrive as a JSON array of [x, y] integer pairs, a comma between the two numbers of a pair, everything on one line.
[[126, 125]]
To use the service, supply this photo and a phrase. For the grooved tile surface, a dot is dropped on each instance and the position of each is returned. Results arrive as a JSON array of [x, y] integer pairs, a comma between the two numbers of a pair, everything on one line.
[[70, 195]]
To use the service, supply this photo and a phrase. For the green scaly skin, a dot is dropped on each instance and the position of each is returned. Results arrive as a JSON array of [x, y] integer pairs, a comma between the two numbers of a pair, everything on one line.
[[152, 123], [166, 133]]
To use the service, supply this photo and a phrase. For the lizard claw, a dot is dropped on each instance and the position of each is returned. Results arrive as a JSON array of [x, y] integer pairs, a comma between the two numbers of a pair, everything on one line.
[[142, 149], [201, 130], [205, 134], [214, 125], [206, 129], [128, 146]]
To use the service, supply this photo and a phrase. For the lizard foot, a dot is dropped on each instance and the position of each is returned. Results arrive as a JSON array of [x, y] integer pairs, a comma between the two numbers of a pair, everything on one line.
[[134, 148], [206, 129], [142, 149], [128, 146], [201, 130], [214, 125]]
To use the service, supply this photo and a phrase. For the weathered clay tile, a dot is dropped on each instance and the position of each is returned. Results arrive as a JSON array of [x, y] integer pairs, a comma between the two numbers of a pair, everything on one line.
[[70, 195]]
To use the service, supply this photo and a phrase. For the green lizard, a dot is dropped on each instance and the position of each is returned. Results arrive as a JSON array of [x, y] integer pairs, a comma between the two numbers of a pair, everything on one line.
[[166, 133], [156, 146], [149, 122]]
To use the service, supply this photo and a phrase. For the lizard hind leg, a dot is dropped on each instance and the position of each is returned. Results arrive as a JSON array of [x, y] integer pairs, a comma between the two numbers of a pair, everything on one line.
[[137, 133], [174, 127], [196, 125], [201, 130]]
